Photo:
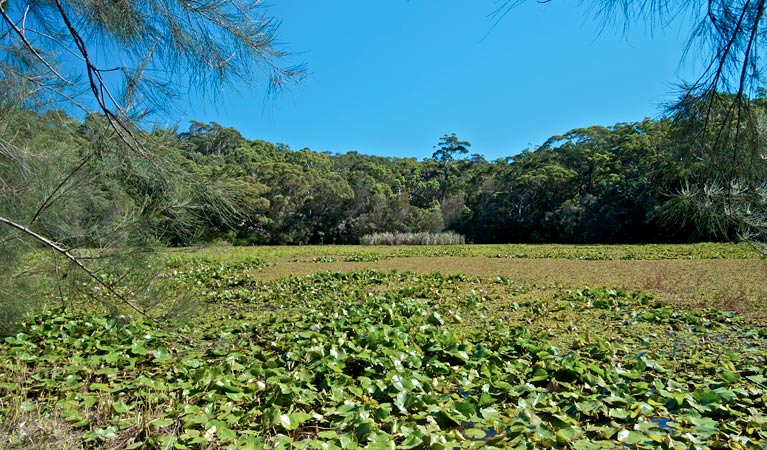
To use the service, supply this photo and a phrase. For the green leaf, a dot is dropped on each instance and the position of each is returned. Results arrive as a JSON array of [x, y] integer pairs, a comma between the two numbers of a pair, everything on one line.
[[706, 397], [90, 401], [413, 440], [759, 378], [159, 423], [380, 441], [162, 354], [618, 413], [490, 413], [592, 445], [589, 406], [630, 437], [567, 434], [475, 433], [235, 396], [347, 442], [138, 349], [120, 407], [288, 422], [101, 387], [724, 394], [730, 377], [293, 420], [705, 426]]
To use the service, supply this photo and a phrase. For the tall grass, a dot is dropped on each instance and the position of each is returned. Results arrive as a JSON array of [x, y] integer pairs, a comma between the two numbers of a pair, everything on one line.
[[425, 238]]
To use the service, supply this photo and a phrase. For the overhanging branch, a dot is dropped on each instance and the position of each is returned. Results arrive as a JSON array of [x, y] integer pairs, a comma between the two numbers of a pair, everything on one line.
[[59, 249]]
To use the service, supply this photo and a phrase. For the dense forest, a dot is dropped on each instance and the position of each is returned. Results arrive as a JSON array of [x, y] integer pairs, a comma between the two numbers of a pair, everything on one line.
[[628, 182]]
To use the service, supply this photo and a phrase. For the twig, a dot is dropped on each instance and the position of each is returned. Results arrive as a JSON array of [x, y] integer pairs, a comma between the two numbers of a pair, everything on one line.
[[48, 199], [58, 279], [30, 47]]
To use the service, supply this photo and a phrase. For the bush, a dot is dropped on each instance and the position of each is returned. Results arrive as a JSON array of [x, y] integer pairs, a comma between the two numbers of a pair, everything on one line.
[[447, 238]]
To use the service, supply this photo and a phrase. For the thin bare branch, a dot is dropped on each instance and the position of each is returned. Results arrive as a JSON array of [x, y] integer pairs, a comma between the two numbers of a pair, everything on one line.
[[31, 47], [48, 200]]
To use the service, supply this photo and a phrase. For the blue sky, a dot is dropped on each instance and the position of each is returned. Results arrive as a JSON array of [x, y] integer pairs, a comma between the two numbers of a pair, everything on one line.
[[390, 78]]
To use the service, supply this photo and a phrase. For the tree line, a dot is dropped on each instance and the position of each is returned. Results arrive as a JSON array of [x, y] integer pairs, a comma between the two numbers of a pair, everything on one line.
[[647, 181]]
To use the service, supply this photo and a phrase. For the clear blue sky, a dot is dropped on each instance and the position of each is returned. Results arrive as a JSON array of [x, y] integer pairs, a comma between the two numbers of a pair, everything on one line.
[[389, 78]]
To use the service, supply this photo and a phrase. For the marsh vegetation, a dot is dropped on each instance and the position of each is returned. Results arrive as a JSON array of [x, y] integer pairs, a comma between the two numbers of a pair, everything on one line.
[[409, 347]]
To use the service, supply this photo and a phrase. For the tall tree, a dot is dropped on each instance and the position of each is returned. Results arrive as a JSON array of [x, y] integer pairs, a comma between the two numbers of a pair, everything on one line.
[[447, 151]]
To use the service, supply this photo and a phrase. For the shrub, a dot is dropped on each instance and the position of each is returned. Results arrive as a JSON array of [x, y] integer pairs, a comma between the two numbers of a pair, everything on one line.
[[424, 238]]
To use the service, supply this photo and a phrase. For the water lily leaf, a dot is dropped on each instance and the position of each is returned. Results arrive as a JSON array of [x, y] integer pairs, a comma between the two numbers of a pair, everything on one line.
[[589, 406], [381, 441], [448, 417], [138, 349], [347, 442], [250, 443], [544, 435], [759, 378], [159, 423], [376, 373], [292, 421], [235, 396], [618, 413], [567, 434], [436, 319], [101, 387], [400, 401], [630, 437], [383, 412], [113, 357], [120, 407], [729, 377], [226, 434], [490, 414], [592, 445], [161, 354], [539, 375], [706, 397], [287, 423], [704, 425], [475, 433], [724, 394], [467, 408], [413, 440]]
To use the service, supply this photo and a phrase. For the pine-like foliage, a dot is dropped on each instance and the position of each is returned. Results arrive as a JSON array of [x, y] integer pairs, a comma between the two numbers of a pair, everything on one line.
[[81, 204]]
